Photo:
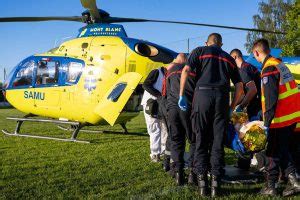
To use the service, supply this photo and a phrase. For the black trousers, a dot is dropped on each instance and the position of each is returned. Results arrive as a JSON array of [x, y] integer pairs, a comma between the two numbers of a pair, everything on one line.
[[180, 129], [279, 152], [295, 144], [210, 117]]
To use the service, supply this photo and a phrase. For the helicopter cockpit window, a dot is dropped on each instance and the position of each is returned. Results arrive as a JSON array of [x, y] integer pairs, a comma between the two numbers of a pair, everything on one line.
[[74, 72], [47, 72], [116, 92], [24, 75]]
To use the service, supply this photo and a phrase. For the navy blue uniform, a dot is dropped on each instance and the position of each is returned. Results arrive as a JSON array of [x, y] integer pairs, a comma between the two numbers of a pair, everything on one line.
[[250, 73], [179, 121], [214, 68]]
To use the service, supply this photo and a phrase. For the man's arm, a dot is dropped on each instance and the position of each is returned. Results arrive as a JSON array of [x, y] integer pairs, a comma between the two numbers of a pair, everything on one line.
[[149, 81], [183, 79], [251, 92], [238, 84], [238, 92], [270, 80]]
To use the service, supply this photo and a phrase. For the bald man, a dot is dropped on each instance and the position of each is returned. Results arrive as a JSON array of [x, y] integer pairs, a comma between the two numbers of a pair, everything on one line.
[[214, 69], [178, 120]]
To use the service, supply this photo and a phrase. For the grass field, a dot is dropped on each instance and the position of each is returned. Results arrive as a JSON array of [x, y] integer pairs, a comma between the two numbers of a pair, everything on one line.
[[114, 166]]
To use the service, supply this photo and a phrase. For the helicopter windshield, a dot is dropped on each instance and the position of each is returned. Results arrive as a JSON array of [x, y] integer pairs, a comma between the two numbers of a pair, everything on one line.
[[38, 71], [24, 75], [9, 78]]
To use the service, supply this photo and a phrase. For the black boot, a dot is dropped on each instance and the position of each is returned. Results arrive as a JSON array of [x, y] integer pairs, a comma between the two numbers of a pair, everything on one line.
[[202, 184], [293, 186], [215, 186], [192, 178], [269, 189], [166, 163], [179, 177]]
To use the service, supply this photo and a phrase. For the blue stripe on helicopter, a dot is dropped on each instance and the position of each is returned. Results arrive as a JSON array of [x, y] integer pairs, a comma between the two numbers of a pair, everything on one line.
[[131, 42]]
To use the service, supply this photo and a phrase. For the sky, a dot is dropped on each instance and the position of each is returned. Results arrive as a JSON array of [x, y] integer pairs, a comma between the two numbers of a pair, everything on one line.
[[20, 40]]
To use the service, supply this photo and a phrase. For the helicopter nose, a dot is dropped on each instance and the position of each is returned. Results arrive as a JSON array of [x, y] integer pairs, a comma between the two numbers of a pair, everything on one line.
[[3, 90]]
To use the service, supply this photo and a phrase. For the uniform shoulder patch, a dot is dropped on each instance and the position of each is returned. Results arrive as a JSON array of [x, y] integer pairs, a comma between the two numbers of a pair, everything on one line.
[[265, 80]]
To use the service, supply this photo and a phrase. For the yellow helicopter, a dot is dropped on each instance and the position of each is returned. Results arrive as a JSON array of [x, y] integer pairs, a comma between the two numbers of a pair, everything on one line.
[[94, 79]]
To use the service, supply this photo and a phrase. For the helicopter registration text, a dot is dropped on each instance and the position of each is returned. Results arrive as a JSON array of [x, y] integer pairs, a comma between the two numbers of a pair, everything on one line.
[[34, 95]]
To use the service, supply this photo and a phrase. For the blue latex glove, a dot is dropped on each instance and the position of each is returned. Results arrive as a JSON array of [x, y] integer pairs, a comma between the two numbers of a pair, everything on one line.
[[239, 108], [267, 130], [182, 103]]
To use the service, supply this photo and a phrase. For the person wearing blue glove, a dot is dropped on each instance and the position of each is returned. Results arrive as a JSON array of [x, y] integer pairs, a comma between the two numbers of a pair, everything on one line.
[[214, 68], [179, 120], [251, 81], [182, 103], [239, 108]]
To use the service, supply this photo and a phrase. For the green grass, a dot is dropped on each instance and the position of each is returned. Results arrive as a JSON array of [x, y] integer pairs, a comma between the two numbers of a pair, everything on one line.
[[114, 166]]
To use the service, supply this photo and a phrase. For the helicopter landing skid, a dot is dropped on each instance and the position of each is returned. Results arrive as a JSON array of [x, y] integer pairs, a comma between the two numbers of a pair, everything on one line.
[[77, 126], [71, 128]]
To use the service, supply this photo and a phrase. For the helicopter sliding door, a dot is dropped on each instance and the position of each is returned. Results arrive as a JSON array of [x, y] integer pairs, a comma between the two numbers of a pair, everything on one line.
[[47, 93], [113, 102]]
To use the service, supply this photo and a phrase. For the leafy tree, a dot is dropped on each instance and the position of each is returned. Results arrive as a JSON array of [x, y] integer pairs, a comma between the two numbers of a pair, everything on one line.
[[272, 16], [291, 46]]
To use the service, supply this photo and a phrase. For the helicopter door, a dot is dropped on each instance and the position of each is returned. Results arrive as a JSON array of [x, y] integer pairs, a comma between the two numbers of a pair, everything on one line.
[[112, 104], [46, 84]]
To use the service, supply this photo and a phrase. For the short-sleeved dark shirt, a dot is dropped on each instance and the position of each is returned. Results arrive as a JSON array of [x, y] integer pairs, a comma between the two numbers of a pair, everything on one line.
[[214, 67], [173, 86], [250, 73]]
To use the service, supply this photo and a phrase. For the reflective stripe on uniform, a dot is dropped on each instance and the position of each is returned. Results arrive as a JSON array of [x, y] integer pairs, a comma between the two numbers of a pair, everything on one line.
[[287, 117], [288, 105]]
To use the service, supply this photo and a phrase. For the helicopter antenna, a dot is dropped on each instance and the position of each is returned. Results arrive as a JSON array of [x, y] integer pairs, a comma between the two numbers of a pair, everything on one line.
[[4, 72], [59, 41]]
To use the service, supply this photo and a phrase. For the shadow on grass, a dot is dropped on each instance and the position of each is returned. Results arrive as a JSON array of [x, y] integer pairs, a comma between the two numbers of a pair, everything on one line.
[[228, 191], [104, 140]]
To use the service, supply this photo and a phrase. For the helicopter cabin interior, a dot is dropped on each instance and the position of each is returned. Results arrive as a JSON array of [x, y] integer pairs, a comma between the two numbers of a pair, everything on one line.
[[46, 72]]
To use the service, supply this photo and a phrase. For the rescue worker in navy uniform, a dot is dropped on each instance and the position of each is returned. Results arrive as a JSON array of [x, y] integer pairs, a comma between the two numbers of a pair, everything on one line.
[[210, 108], [178, 120], [251, 81], [281, 112]]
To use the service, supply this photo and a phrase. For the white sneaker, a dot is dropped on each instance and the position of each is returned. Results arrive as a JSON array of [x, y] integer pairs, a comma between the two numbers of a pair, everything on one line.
[[155, 158]]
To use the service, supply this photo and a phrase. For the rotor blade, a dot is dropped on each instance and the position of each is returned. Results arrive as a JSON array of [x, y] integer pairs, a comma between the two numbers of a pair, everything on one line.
[[37, 19], [120, 19], [92, 7]]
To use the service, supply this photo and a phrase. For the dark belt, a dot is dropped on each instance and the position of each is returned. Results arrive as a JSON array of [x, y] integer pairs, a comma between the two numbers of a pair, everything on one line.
[[211, 88]]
